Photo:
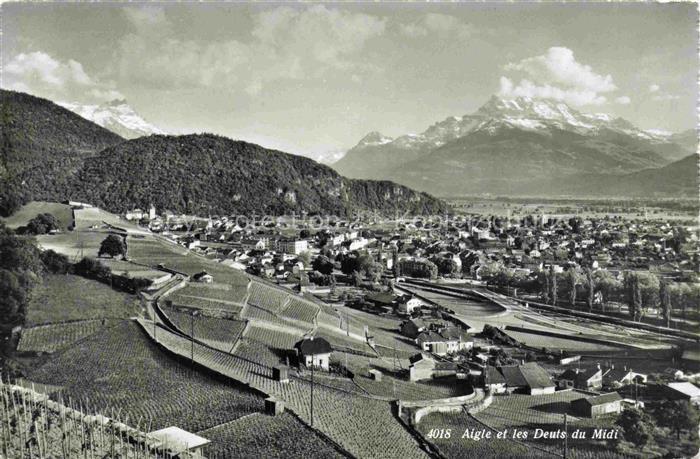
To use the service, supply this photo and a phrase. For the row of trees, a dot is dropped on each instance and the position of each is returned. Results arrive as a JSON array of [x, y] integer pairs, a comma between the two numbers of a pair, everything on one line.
[[641, 291]]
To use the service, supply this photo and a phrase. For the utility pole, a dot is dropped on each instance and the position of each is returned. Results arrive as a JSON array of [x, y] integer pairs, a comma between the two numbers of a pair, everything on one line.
[[312, 391], [192, 340], [566, 437]]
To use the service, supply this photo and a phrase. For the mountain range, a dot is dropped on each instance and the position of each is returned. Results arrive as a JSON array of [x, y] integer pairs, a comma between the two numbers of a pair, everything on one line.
[[50, 153], [523, 145], [116, 116]]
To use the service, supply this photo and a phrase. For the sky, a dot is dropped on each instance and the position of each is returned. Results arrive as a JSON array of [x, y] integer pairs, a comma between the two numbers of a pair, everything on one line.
[[314, 78]]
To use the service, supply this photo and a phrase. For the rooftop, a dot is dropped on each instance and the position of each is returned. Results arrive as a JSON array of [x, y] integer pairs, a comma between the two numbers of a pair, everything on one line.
[[179, 440]]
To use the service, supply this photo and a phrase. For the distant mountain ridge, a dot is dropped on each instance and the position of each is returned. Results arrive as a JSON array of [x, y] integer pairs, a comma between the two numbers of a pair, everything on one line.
[[117, 116], [509, 145], [50, 153]]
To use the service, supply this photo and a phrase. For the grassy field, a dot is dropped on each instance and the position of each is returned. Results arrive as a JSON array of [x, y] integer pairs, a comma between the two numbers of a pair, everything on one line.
[[121, 369], [61, 298], [62, 212]]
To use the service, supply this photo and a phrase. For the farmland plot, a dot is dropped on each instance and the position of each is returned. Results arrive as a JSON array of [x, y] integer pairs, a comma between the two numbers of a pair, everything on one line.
[[53, 337], [122, 369], [216, 332], [268, 298], [301, 310], [363, 426], [61, 298], [21, 217], [258, 436]]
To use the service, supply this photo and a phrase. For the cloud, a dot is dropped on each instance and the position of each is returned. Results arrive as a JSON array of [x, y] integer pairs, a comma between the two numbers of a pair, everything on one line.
[[654, 88], [557, 75], [442, 25], [526, 88], [284, 43], [665, 97], [623, 100], [41, 74]]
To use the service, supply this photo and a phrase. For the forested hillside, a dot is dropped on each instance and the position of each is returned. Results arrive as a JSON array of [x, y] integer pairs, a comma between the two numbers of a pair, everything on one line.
[[42, 146], [51, 154], [211, 174]]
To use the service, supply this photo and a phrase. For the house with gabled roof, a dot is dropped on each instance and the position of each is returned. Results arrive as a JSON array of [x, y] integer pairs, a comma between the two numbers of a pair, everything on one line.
[[597, 405]]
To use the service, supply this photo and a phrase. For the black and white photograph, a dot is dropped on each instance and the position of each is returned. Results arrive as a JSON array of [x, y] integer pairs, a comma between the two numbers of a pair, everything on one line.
[[371, 230]]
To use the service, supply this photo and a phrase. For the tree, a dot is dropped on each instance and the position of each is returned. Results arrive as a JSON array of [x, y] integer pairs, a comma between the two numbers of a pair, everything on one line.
[[113, 245], [553, 286], [572, 281], [322, 264], [41, 224], [607, 285], [305, 257], [55, 263], [13, 301], [356, 278], [590, 286], [677, 415], [395, 262], [665, 301], [636, 426]]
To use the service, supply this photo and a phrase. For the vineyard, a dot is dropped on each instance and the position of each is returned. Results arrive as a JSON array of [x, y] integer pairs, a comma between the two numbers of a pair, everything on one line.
[[216, 332], [52, 337], [523, 410], [256, 314], [275, 339], [261, 436], [457, 447], [215, 292], [121, 368], [268, 298], [301, 310], [361, 425], [34, 426], [62, 298]]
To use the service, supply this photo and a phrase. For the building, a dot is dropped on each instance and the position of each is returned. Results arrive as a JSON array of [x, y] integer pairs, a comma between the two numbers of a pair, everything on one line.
[[314, 352], [413, 327], [424, 366], [179, 441], [683, 391], [494, 382], [597, 405], [587, 379], [203, 277], [528, 378], [407, 304], [618, 377], [446, 341], [293, 246], [136, 214]]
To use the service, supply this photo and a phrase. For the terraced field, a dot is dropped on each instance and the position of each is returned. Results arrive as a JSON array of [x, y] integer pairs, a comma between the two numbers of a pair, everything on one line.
[[216, 332], [268, 298], [53, 337], [121, 369], [355, 429], [275, 339], [301, 310], [258, 436], [61, 298]]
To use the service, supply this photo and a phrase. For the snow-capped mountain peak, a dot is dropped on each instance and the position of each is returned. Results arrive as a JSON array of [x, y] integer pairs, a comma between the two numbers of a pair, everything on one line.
[[117, 116], [374, 138]]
